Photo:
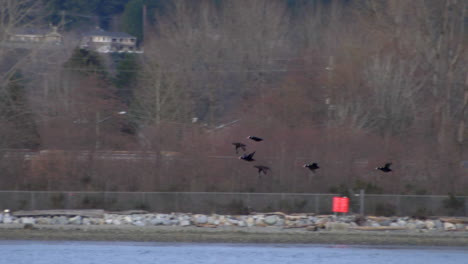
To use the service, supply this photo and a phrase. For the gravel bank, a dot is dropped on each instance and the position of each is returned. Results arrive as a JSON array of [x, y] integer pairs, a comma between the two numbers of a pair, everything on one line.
[[230, 235]]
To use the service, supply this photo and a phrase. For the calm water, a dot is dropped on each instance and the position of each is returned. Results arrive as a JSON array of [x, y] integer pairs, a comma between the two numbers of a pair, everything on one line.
[[37, 252]]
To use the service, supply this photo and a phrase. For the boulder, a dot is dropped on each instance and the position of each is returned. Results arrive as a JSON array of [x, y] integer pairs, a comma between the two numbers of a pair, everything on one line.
[[138, 223], [438, 224], [156, 221], [429, 224], [201, 219], [76, 220], [7, 219], [449, 226], [59, 220], [28, 220], [185, 223], [250, 222], [86, 221], [420, 224], [385, 222], [43, 220], [127, 219], [270, 220]]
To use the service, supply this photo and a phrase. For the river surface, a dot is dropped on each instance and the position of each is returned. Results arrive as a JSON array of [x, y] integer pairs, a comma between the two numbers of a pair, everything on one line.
[[40, 252]]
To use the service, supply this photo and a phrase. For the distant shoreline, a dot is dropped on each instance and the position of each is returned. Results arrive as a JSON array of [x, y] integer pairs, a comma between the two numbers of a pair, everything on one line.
[[230, 235]]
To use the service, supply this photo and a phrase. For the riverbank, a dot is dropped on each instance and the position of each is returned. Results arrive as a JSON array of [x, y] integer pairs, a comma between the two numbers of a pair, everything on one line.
[[230, 235], [275, 227]]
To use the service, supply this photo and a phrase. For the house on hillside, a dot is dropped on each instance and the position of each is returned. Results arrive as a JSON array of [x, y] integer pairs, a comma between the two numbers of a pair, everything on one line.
[[36, 35], [105, 41]]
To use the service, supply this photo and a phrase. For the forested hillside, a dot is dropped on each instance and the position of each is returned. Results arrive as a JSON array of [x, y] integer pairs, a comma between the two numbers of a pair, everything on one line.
[[350, 85]]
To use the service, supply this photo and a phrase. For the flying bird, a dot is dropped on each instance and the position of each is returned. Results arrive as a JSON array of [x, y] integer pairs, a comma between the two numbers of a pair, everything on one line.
[[312, 166], [261, 169], [254, 138], [238, 146], [385, 168], [247, 157]]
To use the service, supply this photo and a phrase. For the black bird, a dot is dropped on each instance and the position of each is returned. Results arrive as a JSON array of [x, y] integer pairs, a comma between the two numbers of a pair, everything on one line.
[[312, 166], [238, 146], [248, 157], [254, 138], [261, 169], [385, 168]]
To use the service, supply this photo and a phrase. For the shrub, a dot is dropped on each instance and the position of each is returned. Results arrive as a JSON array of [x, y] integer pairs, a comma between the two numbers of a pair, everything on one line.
[[385, 209], [453, 204]]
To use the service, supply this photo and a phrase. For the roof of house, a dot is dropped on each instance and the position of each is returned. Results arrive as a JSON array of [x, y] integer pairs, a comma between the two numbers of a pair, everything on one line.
[[101, 32]]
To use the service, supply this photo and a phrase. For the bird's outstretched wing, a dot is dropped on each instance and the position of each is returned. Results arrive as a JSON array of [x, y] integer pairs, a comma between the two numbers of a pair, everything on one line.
[[254, 138], [250, 155]]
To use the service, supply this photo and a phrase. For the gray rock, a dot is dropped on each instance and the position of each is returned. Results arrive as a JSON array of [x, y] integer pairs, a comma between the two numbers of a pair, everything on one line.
[[270, 220], [386, 222], [259, 220], [449, 226], [97, 221], [212, 220], [59, 220], [156, 221], [1, 218], [232, 221], [166, 222], [420, 224], [138, 223], [185, 223], [438, 224], [429, 224], [312, 219], [28, 220], [401, 222], [129, 219], [76, 220], [43, 221], [7, 219], [411, 226], [280, 222], [250, 222], [134, 218], [86, 221], [201, 219]]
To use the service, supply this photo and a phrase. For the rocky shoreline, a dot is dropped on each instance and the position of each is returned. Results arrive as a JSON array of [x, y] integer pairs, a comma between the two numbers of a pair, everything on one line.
[[272, 227]]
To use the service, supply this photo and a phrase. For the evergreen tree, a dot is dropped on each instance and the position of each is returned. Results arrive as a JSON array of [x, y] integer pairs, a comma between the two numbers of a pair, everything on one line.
[[16, 113], [126, 77], [132, 22], [86, 62]]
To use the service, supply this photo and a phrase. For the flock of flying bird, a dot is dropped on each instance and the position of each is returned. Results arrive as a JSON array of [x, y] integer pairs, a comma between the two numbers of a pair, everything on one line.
[[264, 169]]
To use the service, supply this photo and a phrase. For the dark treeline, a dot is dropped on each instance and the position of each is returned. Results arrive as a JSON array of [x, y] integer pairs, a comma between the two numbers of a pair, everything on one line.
[[350, 85]]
